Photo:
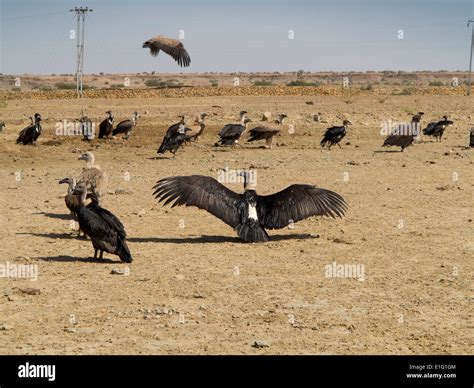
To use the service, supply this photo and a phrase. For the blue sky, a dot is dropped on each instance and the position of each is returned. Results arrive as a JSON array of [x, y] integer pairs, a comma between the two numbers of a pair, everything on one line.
[[240, 35]]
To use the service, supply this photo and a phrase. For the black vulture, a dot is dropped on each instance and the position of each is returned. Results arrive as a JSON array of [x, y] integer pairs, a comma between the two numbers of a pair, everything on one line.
[[196, 130], [173, 139], [242, 117], [334, 135], [263, 133], [230, 134], [126, 126], [172, 47], [280, 118], [471, 138], [106, 127], [30, 134], [249, 213], [104, 229], [436, 128], [404, 135]]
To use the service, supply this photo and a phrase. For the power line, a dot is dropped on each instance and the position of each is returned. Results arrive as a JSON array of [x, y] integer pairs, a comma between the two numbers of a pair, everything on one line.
[[81, 25]]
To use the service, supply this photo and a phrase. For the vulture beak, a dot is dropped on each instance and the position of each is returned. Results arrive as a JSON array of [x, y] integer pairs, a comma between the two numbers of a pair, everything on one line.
[[145, 45], [64, 180], [82, 157]]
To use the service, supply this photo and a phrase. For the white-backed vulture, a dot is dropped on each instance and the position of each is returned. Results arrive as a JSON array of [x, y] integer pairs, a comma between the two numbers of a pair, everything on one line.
[[231, 133], [404, 136], [436, 128], [126, 126], [106, 127], [30, 134]]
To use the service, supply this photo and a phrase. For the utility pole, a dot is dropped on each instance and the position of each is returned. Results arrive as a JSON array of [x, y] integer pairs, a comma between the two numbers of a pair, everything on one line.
[[81, 23], [470, 21]]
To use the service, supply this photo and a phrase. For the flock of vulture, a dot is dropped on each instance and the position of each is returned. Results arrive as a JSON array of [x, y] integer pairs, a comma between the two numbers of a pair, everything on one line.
[[248, 213]]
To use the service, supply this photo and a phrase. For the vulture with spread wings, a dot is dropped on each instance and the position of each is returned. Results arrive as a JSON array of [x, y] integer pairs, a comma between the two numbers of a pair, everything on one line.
[[172, 47], [249, 213]]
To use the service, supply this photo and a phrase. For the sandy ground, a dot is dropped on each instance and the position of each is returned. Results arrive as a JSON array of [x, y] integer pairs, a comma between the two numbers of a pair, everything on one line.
[[193, 288]]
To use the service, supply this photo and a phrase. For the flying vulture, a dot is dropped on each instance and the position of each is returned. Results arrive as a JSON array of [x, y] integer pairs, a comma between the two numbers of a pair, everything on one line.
[[172, 47], [334, 135], [126, 126], [249, 213], [404, 135], [436, 128], [95, 180], [30, 134], [106, 127], [104, 229]]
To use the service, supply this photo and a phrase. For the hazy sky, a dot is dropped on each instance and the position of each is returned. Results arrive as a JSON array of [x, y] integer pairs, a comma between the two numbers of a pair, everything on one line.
[[238, 35]]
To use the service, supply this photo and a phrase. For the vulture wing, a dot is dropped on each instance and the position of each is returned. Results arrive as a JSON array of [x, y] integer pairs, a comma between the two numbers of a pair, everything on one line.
[[334, 131], [430, 128], [109, 218], [296, 203], [201, 191], [172, 47]]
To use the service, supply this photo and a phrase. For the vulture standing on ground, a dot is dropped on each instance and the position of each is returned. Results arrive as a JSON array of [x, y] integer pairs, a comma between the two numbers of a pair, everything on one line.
[[174, 138], [436, 128], [126, 126], [86, 127], [103, 228], [196, 130], [95, 180], [249, 213], [230, 134], [106, 127], [280, 118], [71, 200], [263, 133], [225, 128], [30, 134], [172, 47], [403, 136], [334, 135]]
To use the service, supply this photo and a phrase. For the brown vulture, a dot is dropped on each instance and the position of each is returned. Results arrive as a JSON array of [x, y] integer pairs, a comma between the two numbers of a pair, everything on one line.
[[172, 47], [249, 213]]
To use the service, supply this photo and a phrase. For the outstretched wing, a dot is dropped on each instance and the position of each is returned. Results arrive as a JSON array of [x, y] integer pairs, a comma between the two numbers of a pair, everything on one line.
[[296, 203], [172, 47], [201, 191]]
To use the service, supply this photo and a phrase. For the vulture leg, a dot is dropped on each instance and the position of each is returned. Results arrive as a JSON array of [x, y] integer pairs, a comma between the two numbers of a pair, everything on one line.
[[339, 145], [95, 253], [101, 254]]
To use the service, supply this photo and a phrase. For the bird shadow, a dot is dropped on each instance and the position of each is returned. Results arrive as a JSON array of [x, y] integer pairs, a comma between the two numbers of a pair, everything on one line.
[[160, 158], [214, 239], [69, 259], [62, 236], [60, 216]]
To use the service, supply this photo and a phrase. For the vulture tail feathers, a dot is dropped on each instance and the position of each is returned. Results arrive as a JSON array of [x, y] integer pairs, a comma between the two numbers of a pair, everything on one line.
[[252, 232], [123, 251]]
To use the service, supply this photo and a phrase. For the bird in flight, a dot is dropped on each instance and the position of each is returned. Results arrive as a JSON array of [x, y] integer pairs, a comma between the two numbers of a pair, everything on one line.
[[172, 47]]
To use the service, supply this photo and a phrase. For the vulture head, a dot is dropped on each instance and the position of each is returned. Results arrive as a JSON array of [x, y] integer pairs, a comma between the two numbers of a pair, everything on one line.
[[81, 191], [88, 157], [346, 123], [242, 114], [250, 181], [68, 180]]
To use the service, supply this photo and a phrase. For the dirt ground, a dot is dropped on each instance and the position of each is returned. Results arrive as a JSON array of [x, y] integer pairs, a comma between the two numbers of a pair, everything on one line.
[[193, 288]]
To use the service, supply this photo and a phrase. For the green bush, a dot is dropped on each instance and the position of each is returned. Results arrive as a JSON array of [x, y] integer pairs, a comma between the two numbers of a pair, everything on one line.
[[435, 83], [262, 83], [65, 85], [303, 83]]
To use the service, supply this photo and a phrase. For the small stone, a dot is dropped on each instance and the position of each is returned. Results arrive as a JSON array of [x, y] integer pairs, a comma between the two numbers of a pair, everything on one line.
[[6, 327], [70, 330], [30, 291], [118, 271], [260, 344]]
